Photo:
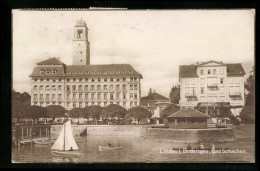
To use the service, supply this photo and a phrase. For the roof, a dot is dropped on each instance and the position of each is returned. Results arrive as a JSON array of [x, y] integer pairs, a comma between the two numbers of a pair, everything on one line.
[[51, 61], [188, 113], [154, 96], [102, 70], [212, 61], [188, 71], [83, 70], [235, 70]]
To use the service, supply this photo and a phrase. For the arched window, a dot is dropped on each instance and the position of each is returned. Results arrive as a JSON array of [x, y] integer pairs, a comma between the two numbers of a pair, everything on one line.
[[35, 88], [99, 88], [41, 88], [117, 88], [68, 88], [47, 88], [105, 88], [111, 88], [86, 88], [53, 88], [92, 88], [80, 88], [59, 88], [74, 88]]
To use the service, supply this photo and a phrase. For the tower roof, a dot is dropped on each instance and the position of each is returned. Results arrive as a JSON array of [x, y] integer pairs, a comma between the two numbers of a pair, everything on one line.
[[51, 61], [154, 96], [80, 23]]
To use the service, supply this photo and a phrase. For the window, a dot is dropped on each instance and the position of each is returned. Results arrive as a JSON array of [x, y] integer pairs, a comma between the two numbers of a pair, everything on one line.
[[111, 79], [80, 96], [80, 105], [105, 88], [221, 71], [53, 80], [99, 88], [202, 72], [41, 79], [74, 88], [131, 87], [92, 96], [105, 103], [124, 79], [47, 97], [86, 96], [42, 71], [124, 104], [41, 96], [35, 97], [237, 80], [74, 79], [68, 80], [53, 97], [135, 96], [99, 79], [74, 96], [59, 97], [105, 96], [124, 96], [80, 79], [41, 88], [60, 79], [135, 87], [214, 71], [135, 103], [135, 78], [35, 80], [47, 79], [74, 105], [111, 97], [208, 71], [68, 96], [111, 88], [221, 90], [93, 80], [99, 97], [117, 79], [131, 78], [221, 80], [48, 71], [35, 88], [86, 79], [86, 88], [131, 104], [79, 35], [131, 95], [202, 90], [59, 88], [105, 79], [117, 96], [54, 71]]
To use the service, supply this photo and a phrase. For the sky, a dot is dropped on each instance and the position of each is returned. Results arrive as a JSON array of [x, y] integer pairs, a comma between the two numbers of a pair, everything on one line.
[[154, 42]]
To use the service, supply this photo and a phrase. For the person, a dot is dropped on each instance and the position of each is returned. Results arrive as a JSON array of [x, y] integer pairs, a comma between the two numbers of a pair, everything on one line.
[[201, 146], [70, 149], [109, 145], [189, 147], [212, 147]]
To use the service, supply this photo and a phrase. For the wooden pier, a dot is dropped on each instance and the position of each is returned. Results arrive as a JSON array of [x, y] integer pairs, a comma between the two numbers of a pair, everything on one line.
[[26, 134]]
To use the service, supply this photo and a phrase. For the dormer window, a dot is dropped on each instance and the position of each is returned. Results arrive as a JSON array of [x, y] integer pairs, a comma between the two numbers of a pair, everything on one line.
[[54, 71], [48, 71], [93, 72], [74, 72], [42, 71], [131, 71], [81, 72]]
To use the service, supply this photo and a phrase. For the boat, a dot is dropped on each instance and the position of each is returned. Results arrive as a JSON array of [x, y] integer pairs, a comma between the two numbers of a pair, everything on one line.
[[42, 142], [65, 144], [108, 148]]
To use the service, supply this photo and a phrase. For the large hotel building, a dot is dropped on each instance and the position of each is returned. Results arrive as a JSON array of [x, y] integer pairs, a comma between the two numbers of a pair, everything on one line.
[[81, 84], [212, 85]]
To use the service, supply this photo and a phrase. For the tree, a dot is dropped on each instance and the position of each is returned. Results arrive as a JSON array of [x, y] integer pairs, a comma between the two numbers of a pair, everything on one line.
[[55, 111], [93, 111], [36, 112], [247, 114], [170, 109], [20, 110], [77, 113], [175, 94], [113, 111], [138, 113]]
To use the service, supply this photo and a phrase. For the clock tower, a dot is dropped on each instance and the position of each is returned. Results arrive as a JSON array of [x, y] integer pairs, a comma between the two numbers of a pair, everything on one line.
[[81, 51]]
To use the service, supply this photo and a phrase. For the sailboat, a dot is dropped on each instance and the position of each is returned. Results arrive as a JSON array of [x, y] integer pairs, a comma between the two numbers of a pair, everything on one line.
[[65, 142]]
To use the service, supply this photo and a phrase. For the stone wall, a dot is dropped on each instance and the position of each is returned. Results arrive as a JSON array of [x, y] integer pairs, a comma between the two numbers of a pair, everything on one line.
[[189, 135]]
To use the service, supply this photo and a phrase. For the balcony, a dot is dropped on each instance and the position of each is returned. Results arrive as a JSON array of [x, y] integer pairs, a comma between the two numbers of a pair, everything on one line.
[[235, 95], [191, 97], [212, 85]]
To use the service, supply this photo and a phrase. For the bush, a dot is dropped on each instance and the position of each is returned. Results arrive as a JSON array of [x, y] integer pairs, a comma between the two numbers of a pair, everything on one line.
[[247, 114]]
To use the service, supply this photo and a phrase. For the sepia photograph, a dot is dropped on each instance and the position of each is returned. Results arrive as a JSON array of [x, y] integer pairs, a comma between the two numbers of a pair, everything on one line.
[[133, 86]]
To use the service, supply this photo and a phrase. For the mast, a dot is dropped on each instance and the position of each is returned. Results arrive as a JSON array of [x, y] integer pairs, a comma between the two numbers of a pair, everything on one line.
[[64, 137]]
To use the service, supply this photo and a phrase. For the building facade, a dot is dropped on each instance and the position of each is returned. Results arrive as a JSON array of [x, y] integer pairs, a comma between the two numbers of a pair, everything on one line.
[[212, 85], [81, 84], [155, 103]]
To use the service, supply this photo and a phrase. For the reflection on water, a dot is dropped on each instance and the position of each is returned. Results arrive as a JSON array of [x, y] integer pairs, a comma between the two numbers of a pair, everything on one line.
[[137, 150]]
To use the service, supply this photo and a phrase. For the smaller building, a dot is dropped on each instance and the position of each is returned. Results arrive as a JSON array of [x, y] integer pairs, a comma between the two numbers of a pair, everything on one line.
[[187, 119], [155, 103]]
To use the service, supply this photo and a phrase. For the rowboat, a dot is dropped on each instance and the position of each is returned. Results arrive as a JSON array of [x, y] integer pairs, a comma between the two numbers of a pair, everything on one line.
[[108, 148], [42, 142], [65, 153]]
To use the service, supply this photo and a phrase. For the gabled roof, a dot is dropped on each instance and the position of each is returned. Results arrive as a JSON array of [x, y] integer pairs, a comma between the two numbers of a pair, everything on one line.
[[51, 61], [154, 96], [235, 70], [188, 113], [37, 71], [211, 61], [102, 70], [188, 71]]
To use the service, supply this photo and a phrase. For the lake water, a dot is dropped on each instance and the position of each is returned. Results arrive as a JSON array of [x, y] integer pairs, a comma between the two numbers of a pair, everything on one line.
[[138, 150]]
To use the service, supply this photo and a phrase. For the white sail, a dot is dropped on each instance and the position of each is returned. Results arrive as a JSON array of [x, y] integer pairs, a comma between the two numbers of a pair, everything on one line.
[[65, 139]]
